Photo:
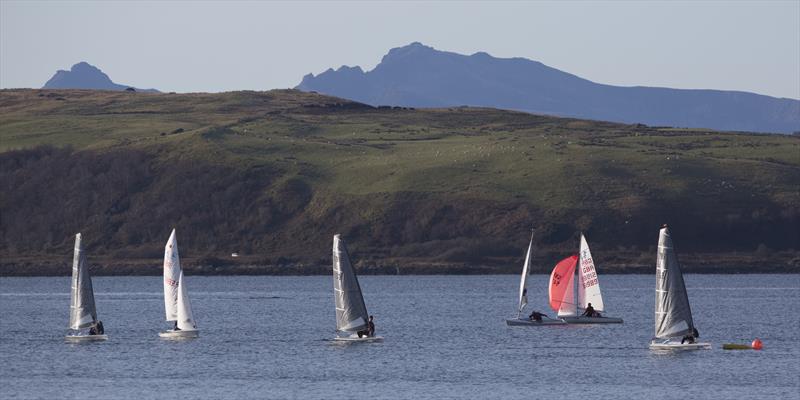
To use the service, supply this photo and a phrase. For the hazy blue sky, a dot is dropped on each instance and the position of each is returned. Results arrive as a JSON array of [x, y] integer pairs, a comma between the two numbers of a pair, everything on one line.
[[213, 46]]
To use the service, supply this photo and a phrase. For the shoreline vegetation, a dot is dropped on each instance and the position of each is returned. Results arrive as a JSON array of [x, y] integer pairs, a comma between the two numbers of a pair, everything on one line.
[[727, 263], [272, 176]]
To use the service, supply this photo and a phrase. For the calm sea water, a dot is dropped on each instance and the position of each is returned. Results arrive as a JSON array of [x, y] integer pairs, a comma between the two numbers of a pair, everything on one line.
[[268, 337]]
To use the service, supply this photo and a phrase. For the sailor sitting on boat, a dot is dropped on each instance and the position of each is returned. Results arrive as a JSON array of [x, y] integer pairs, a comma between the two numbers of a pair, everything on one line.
[[97, 329], [537, 316], [370, 331], [691, 338], [590, 312]]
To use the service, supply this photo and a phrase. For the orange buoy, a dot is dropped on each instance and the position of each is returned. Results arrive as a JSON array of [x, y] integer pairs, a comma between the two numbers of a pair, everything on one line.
[[757, 345]]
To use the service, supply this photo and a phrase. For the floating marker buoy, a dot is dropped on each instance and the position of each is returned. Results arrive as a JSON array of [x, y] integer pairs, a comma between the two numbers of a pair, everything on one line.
[[757, 345]]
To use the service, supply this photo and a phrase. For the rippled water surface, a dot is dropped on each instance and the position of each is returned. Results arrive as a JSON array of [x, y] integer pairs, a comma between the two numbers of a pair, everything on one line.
[[268, 337]]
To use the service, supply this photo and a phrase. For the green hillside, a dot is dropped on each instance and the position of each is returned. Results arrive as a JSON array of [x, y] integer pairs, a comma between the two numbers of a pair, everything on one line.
[[273, 175]]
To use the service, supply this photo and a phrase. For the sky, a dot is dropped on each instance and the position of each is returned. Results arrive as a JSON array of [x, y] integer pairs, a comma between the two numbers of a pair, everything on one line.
[[213, 46]]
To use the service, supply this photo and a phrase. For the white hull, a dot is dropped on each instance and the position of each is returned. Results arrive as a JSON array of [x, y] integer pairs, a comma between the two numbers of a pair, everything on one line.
[[528, 322], [85, 338], [592, 320], [358, 339], [677, 346], [184, 334]]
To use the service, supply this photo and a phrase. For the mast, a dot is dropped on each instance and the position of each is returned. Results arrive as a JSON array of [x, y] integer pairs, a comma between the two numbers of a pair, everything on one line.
[[523, 284]]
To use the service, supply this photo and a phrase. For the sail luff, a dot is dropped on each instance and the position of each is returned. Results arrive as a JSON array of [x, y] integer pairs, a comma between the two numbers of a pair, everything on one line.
[[351, 312], [82, 308], [673, 315], [523, 284], [588, 282]]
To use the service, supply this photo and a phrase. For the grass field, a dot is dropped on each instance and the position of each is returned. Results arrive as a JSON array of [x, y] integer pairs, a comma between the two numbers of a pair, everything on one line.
[[458, 185]]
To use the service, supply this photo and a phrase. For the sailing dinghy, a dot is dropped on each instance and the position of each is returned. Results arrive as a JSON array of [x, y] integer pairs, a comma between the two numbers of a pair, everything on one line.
[[673, 315], [351, 312], [176, 301], [562, 289], [523, 298], [82, 311]]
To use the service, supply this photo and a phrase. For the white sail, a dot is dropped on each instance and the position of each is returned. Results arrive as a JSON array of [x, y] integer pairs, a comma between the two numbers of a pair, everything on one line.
[[176, 301], [523, 284], [673, 314], [351, 312], [185, 317], [588, 283], [82, 311]]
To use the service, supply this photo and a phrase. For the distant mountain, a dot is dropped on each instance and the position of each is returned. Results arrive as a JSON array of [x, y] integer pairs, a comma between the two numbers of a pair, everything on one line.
[[85, 76], [421, 76]]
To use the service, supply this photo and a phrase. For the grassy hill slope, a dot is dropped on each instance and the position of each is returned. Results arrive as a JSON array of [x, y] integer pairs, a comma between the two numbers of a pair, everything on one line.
[[273, 175]]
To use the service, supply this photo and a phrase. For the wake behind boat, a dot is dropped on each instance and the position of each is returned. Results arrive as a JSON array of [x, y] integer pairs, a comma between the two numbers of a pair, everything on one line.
[[177, 307], [589, 305], [674, 329], [82, 310], [353, 323], [536, 319]]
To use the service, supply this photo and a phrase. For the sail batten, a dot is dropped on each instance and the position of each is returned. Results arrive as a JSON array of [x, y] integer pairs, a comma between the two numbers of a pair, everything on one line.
[[82, 310], [673, 315], [351, 312]]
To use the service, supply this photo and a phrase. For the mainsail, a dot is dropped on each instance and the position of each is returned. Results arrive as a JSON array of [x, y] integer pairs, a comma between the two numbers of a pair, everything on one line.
[[523, 284], [562, 292], [673, 314], [588, 285], [351, 312], [82, 312], [176, 300]]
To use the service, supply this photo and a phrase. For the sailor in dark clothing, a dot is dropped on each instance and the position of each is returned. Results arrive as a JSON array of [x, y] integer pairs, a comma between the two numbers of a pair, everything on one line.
[[175, 328], [692, 337], [590, 312], [97, 328], [370, 331], [537, 316]]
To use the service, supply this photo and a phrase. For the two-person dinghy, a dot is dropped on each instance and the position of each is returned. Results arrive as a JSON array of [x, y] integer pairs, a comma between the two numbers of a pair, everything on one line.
[[523, 299], [82, 310], [589, 305], [352, 320], [176, 300], [675, 328]]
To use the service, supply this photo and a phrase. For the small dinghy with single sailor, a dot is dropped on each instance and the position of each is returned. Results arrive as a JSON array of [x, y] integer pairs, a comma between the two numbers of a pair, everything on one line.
[[82, 310], [353, 323], [176, 301], [536, 318], [589, 306], [674, 329]]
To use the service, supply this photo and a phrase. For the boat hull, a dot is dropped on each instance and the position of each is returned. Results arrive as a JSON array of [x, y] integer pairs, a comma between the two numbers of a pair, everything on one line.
[[592, 320], [678, 346], [528, 322], [85, 338], [183, 334], [358, 339]]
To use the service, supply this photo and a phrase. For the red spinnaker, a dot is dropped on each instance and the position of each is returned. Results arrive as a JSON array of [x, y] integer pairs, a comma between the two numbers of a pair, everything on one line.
[[561, 282]]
